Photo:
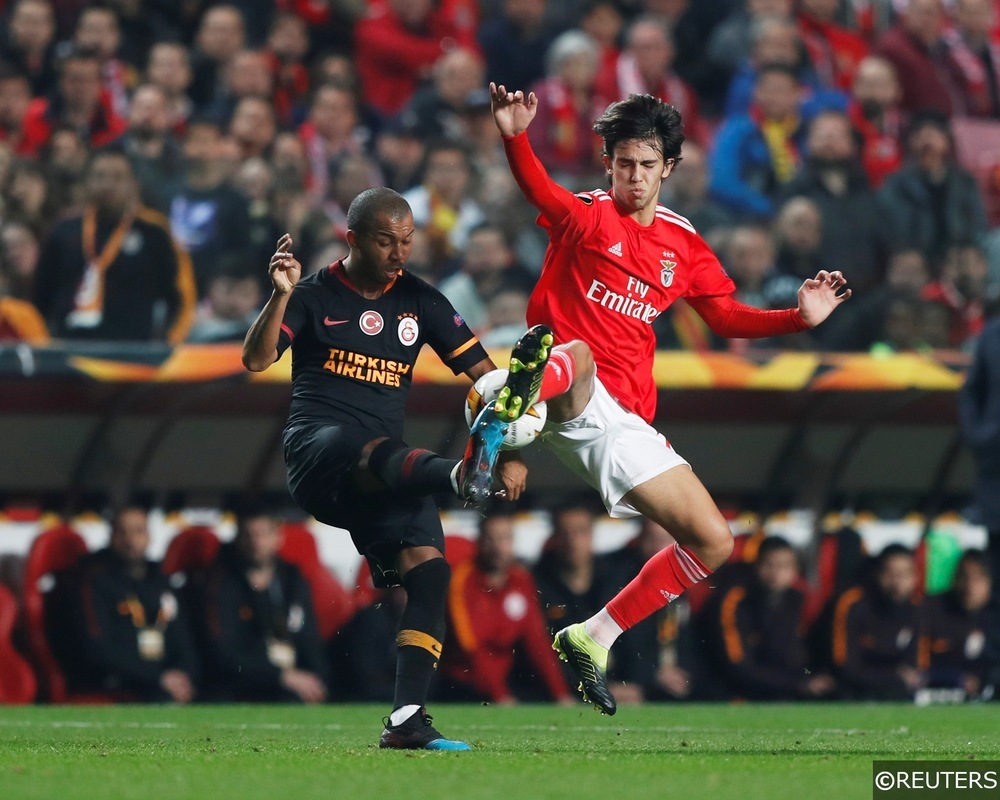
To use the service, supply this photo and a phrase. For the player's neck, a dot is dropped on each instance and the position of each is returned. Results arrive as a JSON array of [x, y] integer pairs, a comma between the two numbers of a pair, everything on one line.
[[644, 216], [367, 289]]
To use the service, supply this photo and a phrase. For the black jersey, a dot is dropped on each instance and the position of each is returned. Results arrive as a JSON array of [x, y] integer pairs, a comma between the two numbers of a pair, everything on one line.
[[352, 358]]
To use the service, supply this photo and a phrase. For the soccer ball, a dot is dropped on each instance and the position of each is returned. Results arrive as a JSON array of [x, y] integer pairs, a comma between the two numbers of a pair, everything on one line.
[[521, 432]]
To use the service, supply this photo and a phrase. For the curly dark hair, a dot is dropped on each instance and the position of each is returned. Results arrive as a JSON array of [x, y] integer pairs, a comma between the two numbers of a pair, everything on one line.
[[644, 118]]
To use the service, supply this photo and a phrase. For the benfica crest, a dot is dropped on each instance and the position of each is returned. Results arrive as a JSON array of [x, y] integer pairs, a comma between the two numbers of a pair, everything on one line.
[[667, 273]]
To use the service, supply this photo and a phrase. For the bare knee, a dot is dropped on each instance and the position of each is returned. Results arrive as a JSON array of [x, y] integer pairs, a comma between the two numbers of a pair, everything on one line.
[[715, 544], [583, 361]]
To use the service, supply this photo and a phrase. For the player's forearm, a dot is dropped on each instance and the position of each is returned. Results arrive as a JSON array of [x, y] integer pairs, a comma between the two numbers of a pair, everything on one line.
[[735, 320], [260, 347], [541, 191]]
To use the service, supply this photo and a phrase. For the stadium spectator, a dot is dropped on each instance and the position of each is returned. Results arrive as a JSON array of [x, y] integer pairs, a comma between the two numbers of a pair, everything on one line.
[[755, 630], [401, 150], [932, 203], [221, 35], [515, 42], [832, 177], [399, 41], [876, 629], [979, 412], [332, 130], [961, 290], [28, 197], [975, 57], [208, 216], [20, 250], [247, 74], [862, 324], [645, 66], [687, 193], [439, 106], [730, 44], [444, 203], [129, 631], [487, 267], [253, 128], [78, 101], [962, 631], [757, 153], [169, 68], [749, 258], [567, 575], [913, 325], [287, 47], [877, 119], [28, 43], [150, 144], [603, 21], [798, 230], [835, 51], [97, 31], [506, 313], [563, 134], [65, 157], [86, 285], [19, 319], [15, 97], [493, 613], [914, 46], [231, 304], [255, 620]]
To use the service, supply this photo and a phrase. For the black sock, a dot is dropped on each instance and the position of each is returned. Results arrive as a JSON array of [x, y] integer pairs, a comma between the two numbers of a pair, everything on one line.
[[411, 469], [421, 631]]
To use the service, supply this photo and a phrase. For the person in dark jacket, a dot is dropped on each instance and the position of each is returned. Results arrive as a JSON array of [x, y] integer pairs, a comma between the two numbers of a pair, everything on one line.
[[257, 625], [755, 629], [876, 629], [979, 414], [962, 631], [132, 638], [932, 203]]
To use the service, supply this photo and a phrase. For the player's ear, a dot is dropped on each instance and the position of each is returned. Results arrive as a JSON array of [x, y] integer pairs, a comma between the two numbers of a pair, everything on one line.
[[352, 239], [607, 162]]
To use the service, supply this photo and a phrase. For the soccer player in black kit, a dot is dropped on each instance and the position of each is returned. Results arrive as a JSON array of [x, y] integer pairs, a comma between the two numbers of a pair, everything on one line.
[[355, 329]]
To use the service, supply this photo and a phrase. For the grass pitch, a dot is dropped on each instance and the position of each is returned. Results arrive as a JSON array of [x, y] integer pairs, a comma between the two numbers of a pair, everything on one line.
[[744, 752]]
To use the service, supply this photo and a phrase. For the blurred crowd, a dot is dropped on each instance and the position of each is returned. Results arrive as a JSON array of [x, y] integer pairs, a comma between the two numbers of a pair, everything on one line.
[[257, 618], [152, 151]]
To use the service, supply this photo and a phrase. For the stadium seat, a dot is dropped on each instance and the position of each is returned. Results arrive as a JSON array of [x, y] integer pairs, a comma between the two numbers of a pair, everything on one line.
[[17, 680], [54, 550], [334, 606], [192, 548]]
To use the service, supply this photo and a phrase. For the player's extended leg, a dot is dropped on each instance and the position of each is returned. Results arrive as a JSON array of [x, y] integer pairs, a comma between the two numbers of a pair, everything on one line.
[[678, 501], [528, 358], [418, 643]]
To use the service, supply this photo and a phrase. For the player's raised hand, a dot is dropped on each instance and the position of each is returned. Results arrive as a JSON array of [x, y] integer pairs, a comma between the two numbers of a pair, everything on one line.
[[284, 269], [819, 296], [512, 111]]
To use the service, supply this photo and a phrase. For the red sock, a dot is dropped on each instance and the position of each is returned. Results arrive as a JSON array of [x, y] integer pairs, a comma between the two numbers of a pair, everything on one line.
[[558, 376], [662, 579]]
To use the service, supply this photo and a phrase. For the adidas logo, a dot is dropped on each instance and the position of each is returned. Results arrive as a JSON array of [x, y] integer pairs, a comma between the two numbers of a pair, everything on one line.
[[616, 249]]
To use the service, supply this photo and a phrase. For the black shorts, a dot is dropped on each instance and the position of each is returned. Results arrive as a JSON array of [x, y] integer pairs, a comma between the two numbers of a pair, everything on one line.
[[320, 459]]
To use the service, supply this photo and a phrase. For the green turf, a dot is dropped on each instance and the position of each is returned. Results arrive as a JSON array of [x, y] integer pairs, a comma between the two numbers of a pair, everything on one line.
[[747, 752]]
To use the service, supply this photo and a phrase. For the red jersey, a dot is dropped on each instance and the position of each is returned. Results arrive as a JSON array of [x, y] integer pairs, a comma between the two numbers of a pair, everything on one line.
[[606, 278], [488, 625]]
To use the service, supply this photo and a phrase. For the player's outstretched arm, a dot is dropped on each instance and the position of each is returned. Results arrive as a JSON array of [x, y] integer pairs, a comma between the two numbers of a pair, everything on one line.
[[819, 296], [512, 111], [260, 347]]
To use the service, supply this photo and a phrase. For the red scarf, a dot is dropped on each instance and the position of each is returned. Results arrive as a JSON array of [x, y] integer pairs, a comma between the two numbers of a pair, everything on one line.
[[881, 152], [971, 71]]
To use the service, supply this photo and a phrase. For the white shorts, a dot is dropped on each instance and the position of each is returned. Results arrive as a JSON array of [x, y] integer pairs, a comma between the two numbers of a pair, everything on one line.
[[612, 449]]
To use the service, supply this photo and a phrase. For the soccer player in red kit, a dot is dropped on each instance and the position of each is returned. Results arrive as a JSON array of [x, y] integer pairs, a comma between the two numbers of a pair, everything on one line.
[[616, 260]]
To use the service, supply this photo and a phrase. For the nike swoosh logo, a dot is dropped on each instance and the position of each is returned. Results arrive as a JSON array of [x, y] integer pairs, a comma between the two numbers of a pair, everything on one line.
[[328, 322]]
